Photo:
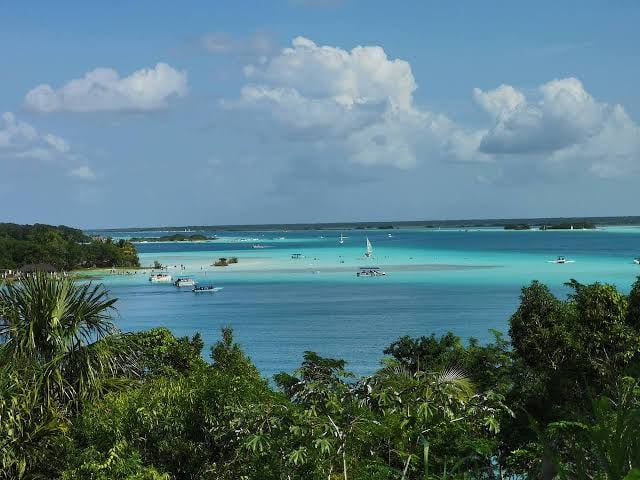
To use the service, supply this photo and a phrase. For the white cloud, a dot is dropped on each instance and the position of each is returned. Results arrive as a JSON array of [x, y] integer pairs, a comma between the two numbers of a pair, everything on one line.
[[358, 107], [13, 132], [362, 76], [102, 89], [21, 141], [564, 115], [564, 125], [502, 101], [83, 172], [360, 101]]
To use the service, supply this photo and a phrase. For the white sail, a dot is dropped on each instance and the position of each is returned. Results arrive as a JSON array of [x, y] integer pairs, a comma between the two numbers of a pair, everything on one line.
[[369, 249], [341, 239]]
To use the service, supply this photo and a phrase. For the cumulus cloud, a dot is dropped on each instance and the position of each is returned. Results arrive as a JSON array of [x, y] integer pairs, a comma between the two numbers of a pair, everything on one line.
[[565, 114], [21, 141], [359, 100], [500, 102], [102, 89], [357, 106], [562, 124]]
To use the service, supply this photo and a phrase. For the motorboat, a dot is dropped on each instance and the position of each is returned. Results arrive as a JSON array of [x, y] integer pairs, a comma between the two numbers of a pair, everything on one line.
[[206, 289], [160, 278], [561, 260], [185, 282], [257, 245], [297, 256], [370, 272], [341, 241], [636, 261]]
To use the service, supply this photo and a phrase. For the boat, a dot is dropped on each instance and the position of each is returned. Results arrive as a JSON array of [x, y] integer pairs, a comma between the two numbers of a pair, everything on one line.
[[370, 272], [369, 251], [341, 241], [297, 256], [258, 246], [206, 288], [160, 277], [185, 282], [636, 261], [389, 235], [561, 260]]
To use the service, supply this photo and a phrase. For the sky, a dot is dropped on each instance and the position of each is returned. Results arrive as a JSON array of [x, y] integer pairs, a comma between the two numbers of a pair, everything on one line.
[[153, 113]]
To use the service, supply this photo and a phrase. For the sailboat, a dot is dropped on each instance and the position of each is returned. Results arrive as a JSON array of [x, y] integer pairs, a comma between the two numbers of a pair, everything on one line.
[[369, 251], [341, 239]]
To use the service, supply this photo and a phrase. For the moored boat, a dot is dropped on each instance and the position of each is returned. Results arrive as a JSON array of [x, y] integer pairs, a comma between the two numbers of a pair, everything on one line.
[[185, 282], [636, 261], [561, 260], [160, 278], [370, 272]]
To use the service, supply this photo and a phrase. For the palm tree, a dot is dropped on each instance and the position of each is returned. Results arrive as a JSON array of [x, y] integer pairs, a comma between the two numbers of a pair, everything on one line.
[[65, 328]]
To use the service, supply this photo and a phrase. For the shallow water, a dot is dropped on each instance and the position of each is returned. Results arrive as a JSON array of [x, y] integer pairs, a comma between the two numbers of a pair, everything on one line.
[[437, 280]]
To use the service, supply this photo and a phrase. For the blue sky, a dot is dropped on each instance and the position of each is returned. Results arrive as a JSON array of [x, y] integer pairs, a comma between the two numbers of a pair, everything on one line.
[[154, 113]]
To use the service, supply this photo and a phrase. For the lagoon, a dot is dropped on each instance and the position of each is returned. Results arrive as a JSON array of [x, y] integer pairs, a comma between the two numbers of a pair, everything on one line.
[[463, 280]]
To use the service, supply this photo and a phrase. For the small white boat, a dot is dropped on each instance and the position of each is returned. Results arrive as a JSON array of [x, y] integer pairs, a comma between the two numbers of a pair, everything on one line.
[[561, 260], [636, 261], [258, 246], [185, 282], [369, 251], [160, 278], [389, 235], [341, 241], [370, 272], [206, 289]]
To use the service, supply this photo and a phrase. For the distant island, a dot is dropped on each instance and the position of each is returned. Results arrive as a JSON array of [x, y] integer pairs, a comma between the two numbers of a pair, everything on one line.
[[178, 237], [569, 226], [460, 223], [518, 226], [43, 247]]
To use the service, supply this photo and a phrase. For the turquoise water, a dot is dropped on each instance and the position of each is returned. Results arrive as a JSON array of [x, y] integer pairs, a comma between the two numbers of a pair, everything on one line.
[[437, 280]]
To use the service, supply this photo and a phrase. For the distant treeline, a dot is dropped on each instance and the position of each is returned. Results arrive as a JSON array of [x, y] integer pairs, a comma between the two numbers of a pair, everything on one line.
[[460, 223], [173, 238], [557, 226], [519, 226], [64, 248]]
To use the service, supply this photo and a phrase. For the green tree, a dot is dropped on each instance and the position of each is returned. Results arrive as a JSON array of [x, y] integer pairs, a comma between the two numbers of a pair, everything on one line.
[[65, 328]]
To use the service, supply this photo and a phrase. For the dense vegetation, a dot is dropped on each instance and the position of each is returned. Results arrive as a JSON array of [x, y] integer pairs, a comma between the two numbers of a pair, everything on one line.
[[178, 237], [80, 400], [517, 226], [63, 247]]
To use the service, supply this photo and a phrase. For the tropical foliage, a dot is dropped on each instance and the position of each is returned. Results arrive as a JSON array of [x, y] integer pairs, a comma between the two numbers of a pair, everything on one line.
[[62, 247], [80, 400]]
